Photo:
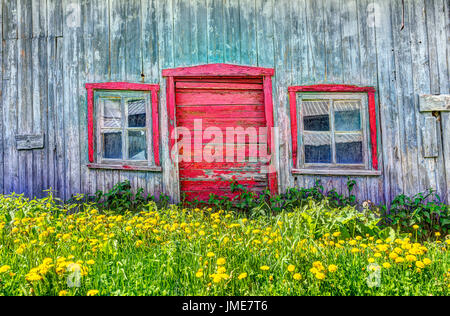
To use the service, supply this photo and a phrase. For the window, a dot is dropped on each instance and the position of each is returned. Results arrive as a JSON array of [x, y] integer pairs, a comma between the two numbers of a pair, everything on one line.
[[334, 130], [124, 119]]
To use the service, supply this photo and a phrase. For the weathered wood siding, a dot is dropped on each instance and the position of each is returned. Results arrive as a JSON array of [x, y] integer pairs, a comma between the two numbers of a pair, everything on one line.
[[51, 48]]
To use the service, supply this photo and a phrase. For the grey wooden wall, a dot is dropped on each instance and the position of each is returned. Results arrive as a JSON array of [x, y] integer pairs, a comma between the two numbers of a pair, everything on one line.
[[51, 48]]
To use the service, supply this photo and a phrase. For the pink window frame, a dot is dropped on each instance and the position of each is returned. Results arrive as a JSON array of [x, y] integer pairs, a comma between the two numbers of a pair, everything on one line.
[[334, 88], [123, 86], [225, 70]]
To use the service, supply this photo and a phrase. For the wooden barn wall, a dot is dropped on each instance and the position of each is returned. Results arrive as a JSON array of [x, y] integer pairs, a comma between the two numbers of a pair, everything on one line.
[[51, 48]]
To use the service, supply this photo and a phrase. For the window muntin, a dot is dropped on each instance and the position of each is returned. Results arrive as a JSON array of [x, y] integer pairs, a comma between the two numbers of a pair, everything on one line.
[[123, 127], [333, 130]]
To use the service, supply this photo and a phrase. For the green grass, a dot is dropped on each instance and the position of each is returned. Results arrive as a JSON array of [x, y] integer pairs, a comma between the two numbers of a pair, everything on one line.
[[175, 251]]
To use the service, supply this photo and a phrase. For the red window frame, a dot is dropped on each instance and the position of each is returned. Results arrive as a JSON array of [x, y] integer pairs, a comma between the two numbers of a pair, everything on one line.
[[123, 86], [225, 70], [334, 88]]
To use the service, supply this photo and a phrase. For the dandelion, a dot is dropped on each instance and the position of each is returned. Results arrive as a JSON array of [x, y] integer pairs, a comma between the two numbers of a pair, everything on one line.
[[264, 268], [62, 293], [399, 260], [210, 254], [415, 227], [291, 268], [92, 293], [332, 268], [297, 276], [221, 261], [199, 274], [386, 265], [420, 264], [242, 275], [320, 276], [426, 261], [4, 269]]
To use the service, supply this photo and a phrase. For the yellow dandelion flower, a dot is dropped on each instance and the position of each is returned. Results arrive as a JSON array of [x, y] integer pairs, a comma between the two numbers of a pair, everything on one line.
[[221, 261], [332, 268], [92, 292], [426, 261], [320, 276], [264, 268], [291, 268], [386, 265], [297, 276], [242, 275], [420, 264]]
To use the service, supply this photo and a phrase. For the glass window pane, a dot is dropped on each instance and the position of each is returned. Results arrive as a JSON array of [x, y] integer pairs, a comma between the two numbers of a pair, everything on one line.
[[317, 148], [347, 115], [112, 114], [316, 115], [137, 145], [136, 113], [349, 149], [112, 145]]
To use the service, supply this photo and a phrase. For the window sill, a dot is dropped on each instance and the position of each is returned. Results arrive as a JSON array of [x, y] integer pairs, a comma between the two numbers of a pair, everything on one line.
[[337, 172], [124, 167]]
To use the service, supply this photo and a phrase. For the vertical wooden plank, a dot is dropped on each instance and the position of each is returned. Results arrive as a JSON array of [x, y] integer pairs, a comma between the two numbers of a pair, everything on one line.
[[368, 60], [150, 42], [282, 61], [215, 31], [437, 25], [393, 182], [247, 30], [421, 85], [170, 182], [442, 10], [232, 34], [150, 68], [24, 81], [299, 75], [61, 164], [50, 137], [334, 41], [265, 33], [199, 32], [85, 65], [55, 121], [316, 40], [39, 103], [10, 19], [405, 94], [39, 19], [2, 129], [71, 56], [54, 18], [9, 101], [182, 34]]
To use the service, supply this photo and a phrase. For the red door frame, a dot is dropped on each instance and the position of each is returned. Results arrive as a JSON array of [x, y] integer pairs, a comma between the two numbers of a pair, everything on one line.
[[224, 70]]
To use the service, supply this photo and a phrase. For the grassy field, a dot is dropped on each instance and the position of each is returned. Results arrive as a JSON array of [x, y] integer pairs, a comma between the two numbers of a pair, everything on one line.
[[176, 251]]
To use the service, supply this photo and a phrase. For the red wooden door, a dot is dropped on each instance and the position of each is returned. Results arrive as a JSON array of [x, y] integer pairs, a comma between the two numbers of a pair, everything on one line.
[[235, 107]]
